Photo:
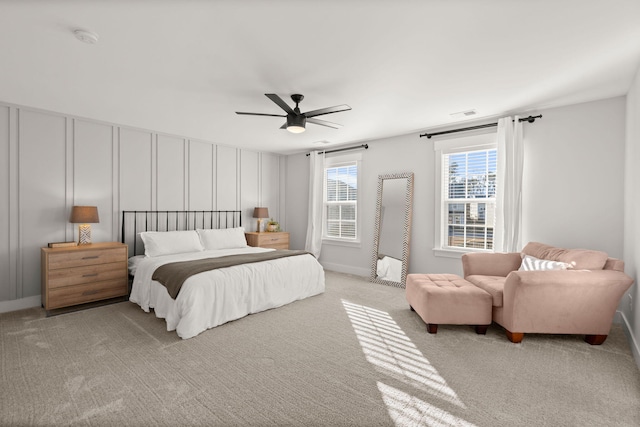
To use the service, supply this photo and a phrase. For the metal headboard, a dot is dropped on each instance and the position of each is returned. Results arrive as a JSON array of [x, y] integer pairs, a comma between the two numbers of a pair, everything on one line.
[[135, 222]]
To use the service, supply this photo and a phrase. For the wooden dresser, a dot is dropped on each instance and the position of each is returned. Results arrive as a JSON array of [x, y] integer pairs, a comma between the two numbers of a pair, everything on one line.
[[267, 239], [86, 273]]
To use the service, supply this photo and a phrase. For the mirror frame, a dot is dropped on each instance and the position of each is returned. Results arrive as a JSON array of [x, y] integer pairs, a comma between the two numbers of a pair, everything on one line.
[[407, 229]]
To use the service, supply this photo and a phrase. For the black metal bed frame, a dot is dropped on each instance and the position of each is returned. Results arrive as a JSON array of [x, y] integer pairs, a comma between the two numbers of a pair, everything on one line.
[[135, 222]]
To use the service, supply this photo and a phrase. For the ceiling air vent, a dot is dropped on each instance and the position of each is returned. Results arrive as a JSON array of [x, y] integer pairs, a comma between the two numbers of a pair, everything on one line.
[[463, 114]]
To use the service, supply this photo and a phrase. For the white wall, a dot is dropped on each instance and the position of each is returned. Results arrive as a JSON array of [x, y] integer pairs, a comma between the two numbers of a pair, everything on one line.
[[573, 187], [630, 304], [52, 161], [407, 153]]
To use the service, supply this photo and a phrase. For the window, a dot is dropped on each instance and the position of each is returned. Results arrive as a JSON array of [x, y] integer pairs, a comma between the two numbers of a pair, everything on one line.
[[466, 200], [470, 199], [341, 201]]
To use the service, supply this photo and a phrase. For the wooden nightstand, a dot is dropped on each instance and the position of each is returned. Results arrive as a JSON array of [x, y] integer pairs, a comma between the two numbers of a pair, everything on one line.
[[267, 239], [86, 273]]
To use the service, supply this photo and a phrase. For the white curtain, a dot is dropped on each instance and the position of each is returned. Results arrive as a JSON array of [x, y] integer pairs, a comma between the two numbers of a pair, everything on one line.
[[314, 224], [510, 149]]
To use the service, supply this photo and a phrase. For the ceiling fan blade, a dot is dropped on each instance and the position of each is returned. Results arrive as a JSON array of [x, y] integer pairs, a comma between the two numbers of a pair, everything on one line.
[[275, 98], [328, 110], [260, 114], [323, 123]]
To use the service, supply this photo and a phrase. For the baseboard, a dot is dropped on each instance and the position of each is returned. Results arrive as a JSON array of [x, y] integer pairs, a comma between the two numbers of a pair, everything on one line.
[[633, 343], [349, 269], [20, 304]]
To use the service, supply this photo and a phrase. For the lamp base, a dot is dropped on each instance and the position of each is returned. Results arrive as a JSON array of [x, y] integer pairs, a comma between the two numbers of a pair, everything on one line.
[[84, 234], [259, 226]]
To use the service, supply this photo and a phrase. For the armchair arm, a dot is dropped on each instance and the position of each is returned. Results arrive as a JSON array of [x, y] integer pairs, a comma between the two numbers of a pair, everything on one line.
[[490, 264], [565, 301]]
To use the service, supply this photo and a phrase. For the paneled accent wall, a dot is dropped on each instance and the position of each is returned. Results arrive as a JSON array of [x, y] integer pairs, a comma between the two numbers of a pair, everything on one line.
[[52, 161]]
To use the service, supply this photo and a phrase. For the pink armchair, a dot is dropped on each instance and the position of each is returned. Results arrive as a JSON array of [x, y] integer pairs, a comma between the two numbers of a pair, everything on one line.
[[580, 300]]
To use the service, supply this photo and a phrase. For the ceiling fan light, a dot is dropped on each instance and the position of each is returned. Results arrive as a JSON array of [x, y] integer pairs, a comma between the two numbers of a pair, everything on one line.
[[296, 124]]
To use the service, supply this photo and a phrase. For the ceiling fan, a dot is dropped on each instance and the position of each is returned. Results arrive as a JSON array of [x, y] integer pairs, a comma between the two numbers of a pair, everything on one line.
[[296, 120]]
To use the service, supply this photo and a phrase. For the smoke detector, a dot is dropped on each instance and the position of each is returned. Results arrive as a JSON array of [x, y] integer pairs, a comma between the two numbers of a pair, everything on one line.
[[86, 36]]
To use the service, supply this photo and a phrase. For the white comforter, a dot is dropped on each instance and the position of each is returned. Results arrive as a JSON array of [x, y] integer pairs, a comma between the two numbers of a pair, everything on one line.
[[215, 297]]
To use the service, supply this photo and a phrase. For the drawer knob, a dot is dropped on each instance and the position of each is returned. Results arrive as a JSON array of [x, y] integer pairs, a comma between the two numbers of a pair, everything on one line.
[[90, 275], [95, 291], [91, 257]]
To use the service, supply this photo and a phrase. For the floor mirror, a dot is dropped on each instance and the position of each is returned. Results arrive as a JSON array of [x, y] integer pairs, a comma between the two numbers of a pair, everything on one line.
[[394, 208]]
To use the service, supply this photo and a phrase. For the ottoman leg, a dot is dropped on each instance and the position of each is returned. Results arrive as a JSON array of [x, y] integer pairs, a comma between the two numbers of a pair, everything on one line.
[[411, 308], [481, 329], [432, 328]]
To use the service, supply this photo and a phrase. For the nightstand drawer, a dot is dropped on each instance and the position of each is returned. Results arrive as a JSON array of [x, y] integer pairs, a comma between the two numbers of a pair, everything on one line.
[[278, 239], [91, 273], [71, 295], [89, 257], [273, 240]]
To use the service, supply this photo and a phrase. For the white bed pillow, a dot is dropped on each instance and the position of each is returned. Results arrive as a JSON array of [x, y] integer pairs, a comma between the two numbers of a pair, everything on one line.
[[157, 243], [224, 238], [530, 263]]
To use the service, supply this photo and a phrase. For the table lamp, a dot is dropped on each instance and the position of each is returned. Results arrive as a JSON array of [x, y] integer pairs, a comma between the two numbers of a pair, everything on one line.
[[84, 215], [260, 213]]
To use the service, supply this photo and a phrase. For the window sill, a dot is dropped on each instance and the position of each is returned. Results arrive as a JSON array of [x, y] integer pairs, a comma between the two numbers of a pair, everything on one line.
[[456, 253], [339, 242]]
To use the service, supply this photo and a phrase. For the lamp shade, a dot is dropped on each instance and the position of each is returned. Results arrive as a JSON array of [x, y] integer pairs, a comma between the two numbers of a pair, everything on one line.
[[84, 215], [261, 213]]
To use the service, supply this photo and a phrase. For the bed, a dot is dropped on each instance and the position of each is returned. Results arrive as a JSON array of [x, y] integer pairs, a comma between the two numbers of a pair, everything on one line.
[[160, 240]]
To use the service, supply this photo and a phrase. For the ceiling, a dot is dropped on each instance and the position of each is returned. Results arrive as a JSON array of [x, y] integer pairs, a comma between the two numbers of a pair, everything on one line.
[[184, 67]]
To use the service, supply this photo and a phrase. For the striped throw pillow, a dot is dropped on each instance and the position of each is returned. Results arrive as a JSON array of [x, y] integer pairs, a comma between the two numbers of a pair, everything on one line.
[[530, 263]]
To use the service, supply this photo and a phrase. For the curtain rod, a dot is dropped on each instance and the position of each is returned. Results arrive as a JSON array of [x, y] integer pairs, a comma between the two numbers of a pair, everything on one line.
[[529, 119], [365, 146]]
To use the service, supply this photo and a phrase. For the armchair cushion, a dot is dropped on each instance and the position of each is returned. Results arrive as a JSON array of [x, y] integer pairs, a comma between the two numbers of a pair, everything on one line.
[[490, 264], [581, 259], [493, 285]]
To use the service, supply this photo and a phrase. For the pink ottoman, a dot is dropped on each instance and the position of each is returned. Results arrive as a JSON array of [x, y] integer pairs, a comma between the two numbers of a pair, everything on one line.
[[448, 299]]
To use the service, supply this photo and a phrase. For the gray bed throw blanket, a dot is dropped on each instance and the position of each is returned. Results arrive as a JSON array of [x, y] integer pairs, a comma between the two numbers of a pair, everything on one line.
[[174, 274]]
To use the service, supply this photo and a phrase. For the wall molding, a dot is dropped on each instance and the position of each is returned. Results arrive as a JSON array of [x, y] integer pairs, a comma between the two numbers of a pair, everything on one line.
[[626, 327], [115, 183], [17, 226], [348, 269], [20, 304], [14, 203], [153, 140]]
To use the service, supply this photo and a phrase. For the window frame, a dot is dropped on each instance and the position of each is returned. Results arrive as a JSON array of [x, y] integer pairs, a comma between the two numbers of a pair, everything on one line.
[[333, 162], [443, 148]]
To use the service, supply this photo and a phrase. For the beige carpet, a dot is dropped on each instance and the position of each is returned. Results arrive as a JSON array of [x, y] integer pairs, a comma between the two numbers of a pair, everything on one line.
[[354, 356]]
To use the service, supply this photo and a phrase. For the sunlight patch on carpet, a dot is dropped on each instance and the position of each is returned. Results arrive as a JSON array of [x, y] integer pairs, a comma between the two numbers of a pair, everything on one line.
[[407, 410], [387, 348]]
